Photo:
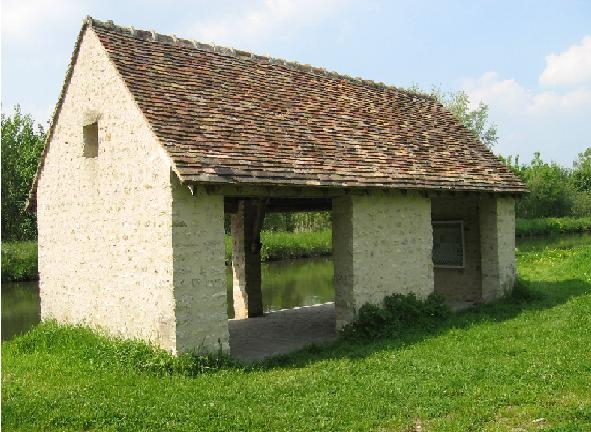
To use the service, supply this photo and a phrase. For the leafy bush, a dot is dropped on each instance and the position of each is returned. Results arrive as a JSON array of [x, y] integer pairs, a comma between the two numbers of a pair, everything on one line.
[[19, 261], [398, 312]]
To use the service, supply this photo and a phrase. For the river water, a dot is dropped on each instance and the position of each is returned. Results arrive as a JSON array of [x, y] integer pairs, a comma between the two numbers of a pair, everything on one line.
[[285, 284]]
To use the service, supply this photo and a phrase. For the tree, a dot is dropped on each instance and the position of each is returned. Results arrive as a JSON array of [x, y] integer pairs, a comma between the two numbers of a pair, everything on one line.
[[549, 190], [581, 176], [476, 120], [22, 143]]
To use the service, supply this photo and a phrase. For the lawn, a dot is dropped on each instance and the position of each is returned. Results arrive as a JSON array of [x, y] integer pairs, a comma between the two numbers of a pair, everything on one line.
[[521, 364]]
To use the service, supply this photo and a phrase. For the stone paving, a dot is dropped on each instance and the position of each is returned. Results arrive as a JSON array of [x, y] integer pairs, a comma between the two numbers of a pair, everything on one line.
[[281, 332]]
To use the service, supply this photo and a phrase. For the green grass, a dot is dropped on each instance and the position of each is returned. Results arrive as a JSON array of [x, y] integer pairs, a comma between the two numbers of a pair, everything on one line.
[[19, 261], [544, 226], [279, 245], [499, 367]]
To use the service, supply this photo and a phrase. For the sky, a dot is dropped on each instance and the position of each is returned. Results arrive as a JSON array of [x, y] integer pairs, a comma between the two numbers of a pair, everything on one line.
[[529, 61]]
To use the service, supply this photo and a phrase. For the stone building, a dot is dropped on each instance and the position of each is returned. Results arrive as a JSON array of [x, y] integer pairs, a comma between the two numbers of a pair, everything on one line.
[[154, 138]]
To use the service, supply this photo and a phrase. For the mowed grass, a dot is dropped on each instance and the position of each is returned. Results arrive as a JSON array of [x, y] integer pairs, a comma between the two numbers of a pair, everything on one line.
[[521, 364]]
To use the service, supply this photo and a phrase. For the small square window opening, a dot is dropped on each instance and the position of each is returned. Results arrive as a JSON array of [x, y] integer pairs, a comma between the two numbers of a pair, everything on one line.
[[90, 133]]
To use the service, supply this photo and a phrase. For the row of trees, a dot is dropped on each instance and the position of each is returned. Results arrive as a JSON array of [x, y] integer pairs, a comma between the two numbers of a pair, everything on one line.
[[555, 191]]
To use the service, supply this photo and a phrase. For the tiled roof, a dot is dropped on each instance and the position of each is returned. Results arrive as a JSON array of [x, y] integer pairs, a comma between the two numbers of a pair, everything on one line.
[[227, 116]]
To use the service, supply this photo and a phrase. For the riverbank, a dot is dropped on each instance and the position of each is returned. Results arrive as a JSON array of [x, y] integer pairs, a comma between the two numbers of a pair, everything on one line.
[[516, 364], [279, 245], [19, 260], [551, 226]]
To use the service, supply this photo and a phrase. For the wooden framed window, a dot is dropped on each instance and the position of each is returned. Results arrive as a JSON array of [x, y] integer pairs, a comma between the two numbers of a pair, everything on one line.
[[448, 244], [90, 136]]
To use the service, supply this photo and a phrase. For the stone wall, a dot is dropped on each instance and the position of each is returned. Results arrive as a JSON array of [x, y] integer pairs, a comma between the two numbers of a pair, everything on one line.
[[382, 244], [105, 239], [497, 234], [123, 246], [199, 271], [461, 284]]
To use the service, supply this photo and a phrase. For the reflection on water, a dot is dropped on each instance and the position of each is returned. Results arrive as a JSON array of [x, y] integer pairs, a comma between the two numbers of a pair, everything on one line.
[[285, 284], [20, 307], [291, 283]]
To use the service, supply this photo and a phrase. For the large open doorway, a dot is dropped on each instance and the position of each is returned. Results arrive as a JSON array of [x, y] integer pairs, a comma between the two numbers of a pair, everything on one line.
[[293, 304]]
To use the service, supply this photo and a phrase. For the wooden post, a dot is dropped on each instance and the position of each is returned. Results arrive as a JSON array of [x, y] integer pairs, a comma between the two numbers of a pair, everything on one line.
[[246, 258]]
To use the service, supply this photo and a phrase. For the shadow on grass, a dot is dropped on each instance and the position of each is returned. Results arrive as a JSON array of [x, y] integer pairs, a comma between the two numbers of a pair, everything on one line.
[[530, 296]]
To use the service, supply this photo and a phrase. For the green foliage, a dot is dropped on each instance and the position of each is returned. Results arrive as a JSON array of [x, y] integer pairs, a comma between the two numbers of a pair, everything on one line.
[[288, 245], [494, 367], [474, 119], [548, 185], [292, 222], [399, 312], [581, 203], [296, 222], [19, 261], [554, 191], [22, 143], [544, 226], [581, 175], [282, 245]]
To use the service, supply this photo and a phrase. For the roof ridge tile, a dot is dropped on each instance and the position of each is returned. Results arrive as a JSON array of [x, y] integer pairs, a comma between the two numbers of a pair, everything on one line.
[[243, 54]]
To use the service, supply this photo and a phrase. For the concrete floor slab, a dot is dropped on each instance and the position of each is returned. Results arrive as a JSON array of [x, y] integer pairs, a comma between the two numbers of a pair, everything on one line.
[[281, 332]]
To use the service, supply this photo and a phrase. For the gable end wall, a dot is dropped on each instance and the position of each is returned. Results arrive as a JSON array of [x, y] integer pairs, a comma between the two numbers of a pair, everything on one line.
[[105, 242]]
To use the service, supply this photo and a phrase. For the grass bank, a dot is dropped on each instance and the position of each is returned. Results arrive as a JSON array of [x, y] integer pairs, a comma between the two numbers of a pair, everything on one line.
[[551, 226], [19, 261], [279, 245], [520, 364]]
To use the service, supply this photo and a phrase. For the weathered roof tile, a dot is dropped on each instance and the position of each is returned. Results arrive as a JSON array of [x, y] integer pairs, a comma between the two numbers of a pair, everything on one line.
[[229, 116]]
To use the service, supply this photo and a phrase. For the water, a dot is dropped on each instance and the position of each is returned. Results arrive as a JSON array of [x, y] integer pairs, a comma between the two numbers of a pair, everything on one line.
[[20, 307], [285, 284]]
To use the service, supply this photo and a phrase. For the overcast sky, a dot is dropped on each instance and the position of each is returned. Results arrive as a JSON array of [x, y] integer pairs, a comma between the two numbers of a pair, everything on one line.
[[530, 61]]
